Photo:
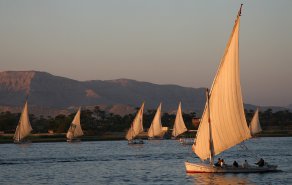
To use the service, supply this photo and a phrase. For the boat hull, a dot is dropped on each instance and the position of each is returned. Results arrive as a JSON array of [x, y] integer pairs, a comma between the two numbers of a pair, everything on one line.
[[73, 140], [155, 138], [187, 141], [206, 168], [135, 142], [22, 142]]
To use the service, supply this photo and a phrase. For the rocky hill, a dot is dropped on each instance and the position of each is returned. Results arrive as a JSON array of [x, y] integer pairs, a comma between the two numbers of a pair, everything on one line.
[[53, 92], [50, 95]]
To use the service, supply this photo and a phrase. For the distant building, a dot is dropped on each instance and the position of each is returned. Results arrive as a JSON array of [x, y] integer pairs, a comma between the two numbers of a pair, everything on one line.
[[51, 131], [196, 122], [165, 129]]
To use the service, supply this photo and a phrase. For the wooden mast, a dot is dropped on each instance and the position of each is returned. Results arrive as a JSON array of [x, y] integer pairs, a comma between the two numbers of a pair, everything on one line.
[[211, 146]]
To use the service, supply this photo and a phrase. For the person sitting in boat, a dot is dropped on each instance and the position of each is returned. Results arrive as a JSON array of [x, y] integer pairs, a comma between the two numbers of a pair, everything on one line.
[[235, 164], [261, 162], [245, 164], [222, 163], [218, 162]]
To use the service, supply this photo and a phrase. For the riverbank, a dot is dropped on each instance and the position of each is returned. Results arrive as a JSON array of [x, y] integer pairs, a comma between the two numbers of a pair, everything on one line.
[[111, 136], [37, 138]]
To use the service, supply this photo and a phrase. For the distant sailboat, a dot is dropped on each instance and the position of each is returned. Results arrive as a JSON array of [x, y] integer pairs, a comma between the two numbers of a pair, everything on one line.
[[155, 130], [179, 127], [223, 124], [136, 128], [23, 128], [255, 126], [75, 129]]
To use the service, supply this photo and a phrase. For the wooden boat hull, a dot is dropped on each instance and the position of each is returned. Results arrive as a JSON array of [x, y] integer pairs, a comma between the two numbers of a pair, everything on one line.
[[187, 141], [22, 142], [135, 142], [206, 168], [73, 140], [155, 138]]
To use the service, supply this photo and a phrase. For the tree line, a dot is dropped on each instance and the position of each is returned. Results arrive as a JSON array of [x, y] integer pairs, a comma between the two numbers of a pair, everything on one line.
[[98, 121]]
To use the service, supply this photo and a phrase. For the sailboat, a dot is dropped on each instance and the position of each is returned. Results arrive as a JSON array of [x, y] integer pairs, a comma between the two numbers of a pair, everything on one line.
[[136, 128], [223, 124], [23, 128], [155, 131], [179, 127], [255, 126], [75, 130]]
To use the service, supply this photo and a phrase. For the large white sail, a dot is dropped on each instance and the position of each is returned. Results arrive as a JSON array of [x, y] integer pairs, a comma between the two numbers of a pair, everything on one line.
[[23, 128], [227, 118], [137, 125], [179, 126], [255, 126], [155, 129], [75, 129]]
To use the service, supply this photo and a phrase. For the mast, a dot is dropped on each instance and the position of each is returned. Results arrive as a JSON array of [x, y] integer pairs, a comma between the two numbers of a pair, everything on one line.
[[211, 145]]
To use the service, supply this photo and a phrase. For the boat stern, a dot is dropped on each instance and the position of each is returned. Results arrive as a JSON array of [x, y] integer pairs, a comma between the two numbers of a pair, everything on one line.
[[198, 168]]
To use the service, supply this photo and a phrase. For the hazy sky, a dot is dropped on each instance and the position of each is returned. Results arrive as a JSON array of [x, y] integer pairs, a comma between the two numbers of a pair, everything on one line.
[[160, 41]]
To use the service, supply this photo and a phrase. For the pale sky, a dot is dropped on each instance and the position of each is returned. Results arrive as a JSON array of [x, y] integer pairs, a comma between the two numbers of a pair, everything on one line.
[[160, 41]]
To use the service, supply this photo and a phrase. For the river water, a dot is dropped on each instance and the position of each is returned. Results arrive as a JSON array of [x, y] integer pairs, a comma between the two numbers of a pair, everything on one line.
[[115, 162]]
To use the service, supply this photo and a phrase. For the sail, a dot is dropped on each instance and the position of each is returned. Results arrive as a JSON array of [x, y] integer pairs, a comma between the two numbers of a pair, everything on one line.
[[75, 129], [137, 125], [227, 118], [155, 129], [23, 128], [179, 126], [255, 126]]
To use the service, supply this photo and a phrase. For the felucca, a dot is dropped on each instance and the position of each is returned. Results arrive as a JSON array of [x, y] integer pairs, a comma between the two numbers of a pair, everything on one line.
[[179, 127], [23, 128], [223, 124], [155, 131], [75, 130], [136, 128], [255, 126]]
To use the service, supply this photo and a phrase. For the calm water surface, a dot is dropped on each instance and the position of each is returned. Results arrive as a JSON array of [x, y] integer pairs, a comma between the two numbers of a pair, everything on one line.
[[115, 162]]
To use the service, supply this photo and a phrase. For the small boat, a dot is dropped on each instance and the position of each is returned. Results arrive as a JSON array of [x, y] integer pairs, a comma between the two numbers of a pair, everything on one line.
[[187, 141], [23, 128], [155, 131], [75, 131], [255, 126], [179, 128], [223, 124], [136, 128]]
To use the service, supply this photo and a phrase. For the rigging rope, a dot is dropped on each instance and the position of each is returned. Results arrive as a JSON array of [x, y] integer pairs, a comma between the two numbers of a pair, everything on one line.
[[244, 147]]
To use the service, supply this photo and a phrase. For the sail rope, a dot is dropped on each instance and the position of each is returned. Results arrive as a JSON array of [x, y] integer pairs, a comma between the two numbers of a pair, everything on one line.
[[254, 155]]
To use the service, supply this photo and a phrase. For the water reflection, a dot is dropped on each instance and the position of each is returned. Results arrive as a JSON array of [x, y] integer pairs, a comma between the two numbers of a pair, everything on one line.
[[213, 179]]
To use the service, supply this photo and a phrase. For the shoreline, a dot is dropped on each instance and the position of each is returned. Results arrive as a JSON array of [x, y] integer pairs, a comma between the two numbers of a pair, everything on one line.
[[109, 136]]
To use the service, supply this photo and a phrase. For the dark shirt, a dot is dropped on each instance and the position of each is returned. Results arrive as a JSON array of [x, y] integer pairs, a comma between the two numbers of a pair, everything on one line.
[[235, 164], [261, 163]]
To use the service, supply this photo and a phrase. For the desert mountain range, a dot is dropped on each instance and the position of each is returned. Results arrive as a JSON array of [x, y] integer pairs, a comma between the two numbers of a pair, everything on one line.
[[50, 95]]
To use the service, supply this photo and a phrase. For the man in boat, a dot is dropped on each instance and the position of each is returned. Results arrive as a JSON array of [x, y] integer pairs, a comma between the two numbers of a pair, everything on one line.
[[245, 164], [218, 162], [261, 162], [235, 164], [222, 163]]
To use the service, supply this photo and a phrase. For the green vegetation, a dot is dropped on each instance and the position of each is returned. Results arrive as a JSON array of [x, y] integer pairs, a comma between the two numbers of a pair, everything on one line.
[[93, 122], [98, 122]]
